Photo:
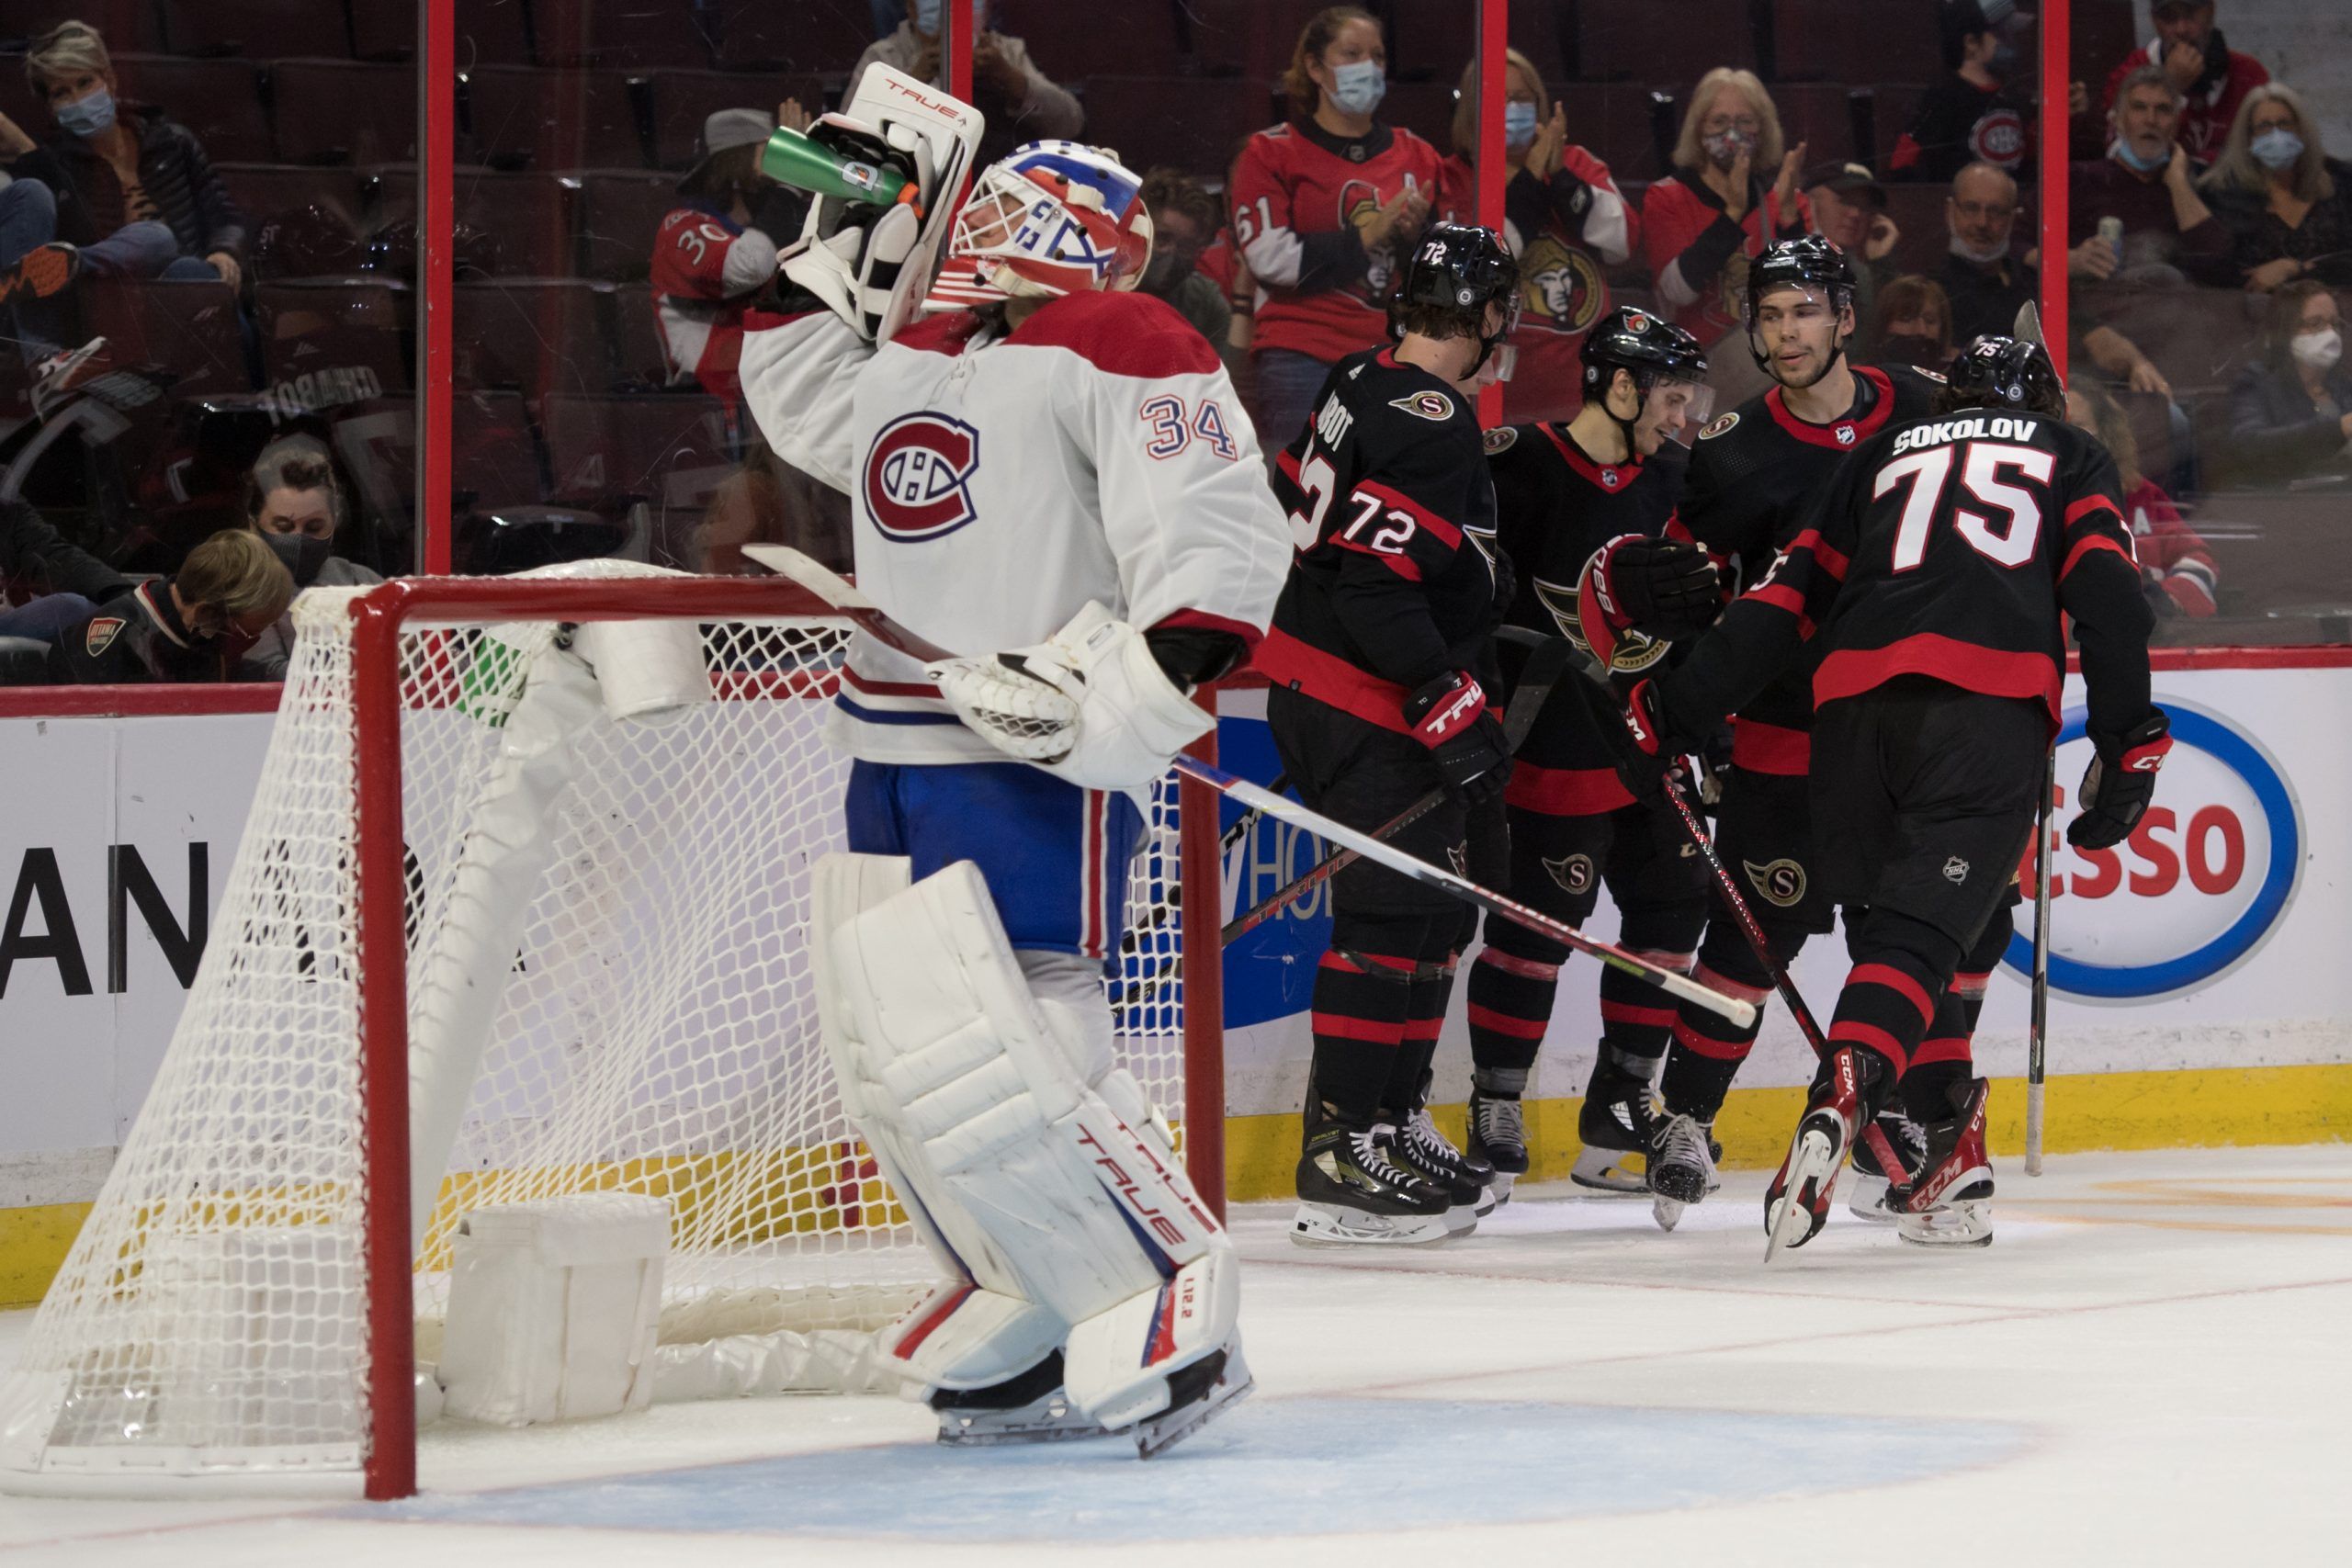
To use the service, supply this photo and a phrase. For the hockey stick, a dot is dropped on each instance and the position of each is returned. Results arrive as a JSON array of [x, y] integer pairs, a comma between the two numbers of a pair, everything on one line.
[[1548, 656], [2038, 1031], [1675, 984], [837, 592]]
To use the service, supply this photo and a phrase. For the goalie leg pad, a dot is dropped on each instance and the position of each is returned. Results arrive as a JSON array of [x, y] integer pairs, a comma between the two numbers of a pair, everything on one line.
[[982, 1096]]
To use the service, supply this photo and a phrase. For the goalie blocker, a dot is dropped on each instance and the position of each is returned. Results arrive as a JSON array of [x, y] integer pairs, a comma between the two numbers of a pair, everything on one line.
[[1092, 1292]]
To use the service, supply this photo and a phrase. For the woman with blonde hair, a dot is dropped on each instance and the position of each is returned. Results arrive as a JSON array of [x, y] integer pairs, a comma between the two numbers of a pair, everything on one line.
[[2287, 204], [1325, 207], [1566, 220], [1734, 190]]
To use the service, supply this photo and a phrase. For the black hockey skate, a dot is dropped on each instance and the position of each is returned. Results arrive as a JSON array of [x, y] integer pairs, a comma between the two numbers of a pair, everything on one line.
[[1869, 1184], [1352, 1190], [1681, 1167], [1421, 1148], [1950, 1202], [1846, 1093], [1498, 1137], [1621, 1116]]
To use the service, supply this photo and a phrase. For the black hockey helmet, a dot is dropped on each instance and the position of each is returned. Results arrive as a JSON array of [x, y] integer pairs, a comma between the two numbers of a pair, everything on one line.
[[1648, 345], [2004, 372], [1458, 270]]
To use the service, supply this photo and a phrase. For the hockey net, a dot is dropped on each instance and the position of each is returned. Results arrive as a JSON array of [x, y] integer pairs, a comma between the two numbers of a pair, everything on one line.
[[600, 984]]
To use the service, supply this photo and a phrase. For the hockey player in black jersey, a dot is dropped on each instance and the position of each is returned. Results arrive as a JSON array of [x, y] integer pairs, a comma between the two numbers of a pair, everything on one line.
[[1948, 553], [1594, 498], [1381, 669], [1756, 474]]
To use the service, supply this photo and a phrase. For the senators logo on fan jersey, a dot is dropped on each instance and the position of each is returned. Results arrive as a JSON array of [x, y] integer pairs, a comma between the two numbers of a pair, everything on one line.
[[1560, 288], [918, 475]]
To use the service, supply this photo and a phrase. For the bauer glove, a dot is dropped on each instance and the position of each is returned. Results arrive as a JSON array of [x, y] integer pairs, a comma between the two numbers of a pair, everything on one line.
[[2120, 783], [1449, 716], [1636, 592]]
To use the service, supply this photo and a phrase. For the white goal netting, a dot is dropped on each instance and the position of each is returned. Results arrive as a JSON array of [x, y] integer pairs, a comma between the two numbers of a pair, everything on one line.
[[608, 991]]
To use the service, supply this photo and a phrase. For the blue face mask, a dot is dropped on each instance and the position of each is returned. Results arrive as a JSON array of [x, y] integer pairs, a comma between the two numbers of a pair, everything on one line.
[[1519, 124], [2123, 152], [1358, 86], [2277, 148], [87, 117]]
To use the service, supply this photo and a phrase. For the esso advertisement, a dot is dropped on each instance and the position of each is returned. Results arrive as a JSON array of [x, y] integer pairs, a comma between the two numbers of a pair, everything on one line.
[[1269, 970], [2206, 878]]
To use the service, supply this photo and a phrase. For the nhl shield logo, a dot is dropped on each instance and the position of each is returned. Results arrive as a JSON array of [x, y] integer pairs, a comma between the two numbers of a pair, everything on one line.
[[1845, 434], [917, 479], [101, 634], [1955, 871]]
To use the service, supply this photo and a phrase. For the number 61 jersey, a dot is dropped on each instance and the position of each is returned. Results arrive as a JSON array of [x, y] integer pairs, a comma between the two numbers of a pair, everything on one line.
[[1953, 546]]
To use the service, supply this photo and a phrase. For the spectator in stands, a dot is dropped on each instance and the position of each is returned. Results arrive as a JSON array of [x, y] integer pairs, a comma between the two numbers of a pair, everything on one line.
[[1018, 101], [1184, 222], [61, 581], [1562, 216], [116, 191], [295, 503], [1914, 325], [230, 589], [1323, 206], [2287, 204], [1733, 191], [1970, 116], [2176, 570], [1850, 205], [1984, 282], [2147, 184], [716, 250], [2210, 77], [2290, 411]]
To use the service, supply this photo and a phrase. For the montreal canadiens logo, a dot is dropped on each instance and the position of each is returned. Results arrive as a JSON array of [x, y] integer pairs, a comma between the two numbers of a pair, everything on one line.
[[919, 476], [2202, 882], [1999, 138]]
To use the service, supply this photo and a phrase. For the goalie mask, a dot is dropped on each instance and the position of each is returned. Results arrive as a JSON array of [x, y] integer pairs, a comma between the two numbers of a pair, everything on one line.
[[1054, 218]]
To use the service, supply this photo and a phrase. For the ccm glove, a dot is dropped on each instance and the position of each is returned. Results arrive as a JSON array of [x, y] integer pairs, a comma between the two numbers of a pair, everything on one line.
[[1647, 745], [1449, 716], [2120, 783]]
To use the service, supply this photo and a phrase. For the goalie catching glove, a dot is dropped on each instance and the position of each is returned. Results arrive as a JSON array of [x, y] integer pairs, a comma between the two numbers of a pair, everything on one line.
[[1091, 705], [2120, 783]]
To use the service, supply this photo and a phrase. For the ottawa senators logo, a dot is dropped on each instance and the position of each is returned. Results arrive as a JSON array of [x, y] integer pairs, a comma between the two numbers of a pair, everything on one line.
[[1499, 438], [101, 634], [1719, 426], [1573, 873], [918, 478], [1435, 406], [1560, 288], [1780, 882]]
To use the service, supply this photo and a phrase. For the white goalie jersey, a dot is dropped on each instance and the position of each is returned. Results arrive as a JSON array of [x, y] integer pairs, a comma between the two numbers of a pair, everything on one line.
[[999, 483]]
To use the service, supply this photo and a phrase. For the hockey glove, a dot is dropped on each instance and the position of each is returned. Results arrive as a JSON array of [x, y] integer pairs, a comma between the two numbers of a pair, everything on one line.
[[1636, 592], [1648, 745], [2120, 783], [1449, 716]]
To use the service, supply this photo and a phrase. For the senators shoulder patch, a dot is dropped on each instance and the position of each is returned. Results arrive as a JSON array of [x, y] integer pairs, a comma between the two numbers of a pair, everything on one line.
[[1938, 377], [101, 634], [1427, 405], [1719, 426], [1499, 438]]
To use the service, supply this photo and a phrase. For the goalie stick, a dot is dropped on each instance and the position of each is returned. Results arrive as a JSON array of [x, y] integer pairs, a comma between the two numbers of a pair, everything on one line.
[[845, 596], [1547, 658]]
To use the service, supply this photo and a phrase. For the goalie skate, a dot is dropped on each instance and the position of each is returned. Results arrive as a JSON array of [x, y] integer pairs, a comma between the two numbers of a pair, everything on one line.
[[1197, 1392]]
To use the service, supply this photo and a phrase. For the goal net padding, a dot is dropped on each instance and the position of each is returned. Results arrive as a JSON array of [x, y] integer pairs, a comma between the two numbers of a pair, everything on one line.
[[603, 982]]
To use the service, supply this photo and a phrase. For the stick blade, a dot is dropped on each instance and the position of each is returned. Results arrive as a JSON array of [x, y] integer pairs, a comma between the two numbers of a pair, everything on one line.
[[2028, 327], [810, 573]]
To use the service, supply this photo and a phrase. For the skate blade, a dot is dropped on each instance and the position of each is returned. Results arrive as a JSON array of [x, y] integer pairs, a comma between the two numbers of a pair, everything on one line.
[[1666, 1210], [1316, 1224], [1461, 1220], [994, 1429], [1866, 1198], [1160, 1433], [1602, 1170], [1812, 1162], [1500, 1186], [1964, 1224]]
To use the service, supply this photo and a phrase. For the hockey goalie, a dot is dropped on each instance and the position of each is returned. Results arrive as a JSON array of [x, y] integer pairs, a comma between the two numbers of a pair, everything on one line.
[[1050, 476]]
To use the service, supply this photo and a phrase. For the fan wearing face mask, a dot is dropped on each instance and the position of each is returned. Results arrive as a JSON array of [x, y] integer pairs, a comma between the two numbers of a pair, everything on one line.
[[2290, 411], [1325, 207], [1566, 220], [115, 190], [1734, 191], [2147, 184], [2287, 204], [184, 627], [294, 503]]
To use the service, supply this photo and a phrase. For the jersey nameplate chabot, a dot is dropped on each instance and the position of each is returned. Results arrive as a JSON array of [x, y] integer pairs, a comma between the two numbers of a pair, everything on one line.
[[1979, 427], [919, 476]]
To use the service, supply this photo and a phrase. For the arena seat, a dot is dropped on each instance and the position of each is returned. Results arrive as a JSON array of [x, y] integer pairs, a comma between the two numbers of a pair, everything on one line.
[[1188, 122], [535, 335], [640, 35], [189, 328], [637, 341], [2198, 337], [1613, 122], [526, 220], [1819, 115], [1898, 105], [218, 99], [1671, 45], [620, 212], [496, 455], [260, 189], [554, 120], [1144, 39], [258, 29], [351, 332], [489, 32], [684, 100], [1854, 41], [668, 449], [337, 111], [813, 35]]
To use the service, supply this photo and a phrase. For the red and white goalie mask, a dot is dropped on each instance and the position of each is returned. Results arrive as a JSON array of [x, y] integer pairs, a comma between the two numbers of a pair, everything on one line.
[[1053, 218]]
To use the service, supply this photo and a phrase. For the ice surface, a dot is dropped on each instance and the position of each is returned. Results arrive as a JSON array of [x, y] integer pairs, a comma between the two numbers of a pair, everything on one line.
[[2150, 1365]]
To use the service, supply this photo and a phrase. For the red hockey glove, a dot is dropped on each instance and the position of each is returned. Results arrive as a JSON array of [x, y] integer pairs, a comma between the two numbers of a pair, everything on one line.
[[1449, 716], [1636, 592], [2120, 783]]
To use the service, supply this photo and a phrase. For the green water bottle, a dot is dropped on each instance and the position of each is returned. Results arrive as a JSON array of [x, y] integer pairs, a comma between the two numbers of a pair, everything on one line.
[[792, 159]]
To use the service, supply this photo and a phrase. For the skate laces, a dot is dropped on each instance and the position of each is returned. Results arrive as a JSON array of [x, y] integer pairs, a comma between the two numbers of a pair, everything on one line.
[[1424, 1136], [1684, 1142], [1372, 1158], [1501, 1122]]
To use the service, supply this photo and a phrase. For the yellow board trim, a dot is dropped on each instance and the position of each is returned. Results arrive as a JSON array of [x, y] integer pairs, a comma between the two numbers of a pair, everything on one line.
[[2190, 1108]]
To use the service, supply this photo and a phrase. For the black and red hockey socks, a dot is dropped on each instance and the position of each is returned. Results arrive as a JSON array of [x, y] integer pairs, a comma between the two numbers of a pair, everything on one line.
[[1424, 1017], [1510, 1007], [1362, 1005], [1944, 1059], [1901, 967], [1708, 1048]]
